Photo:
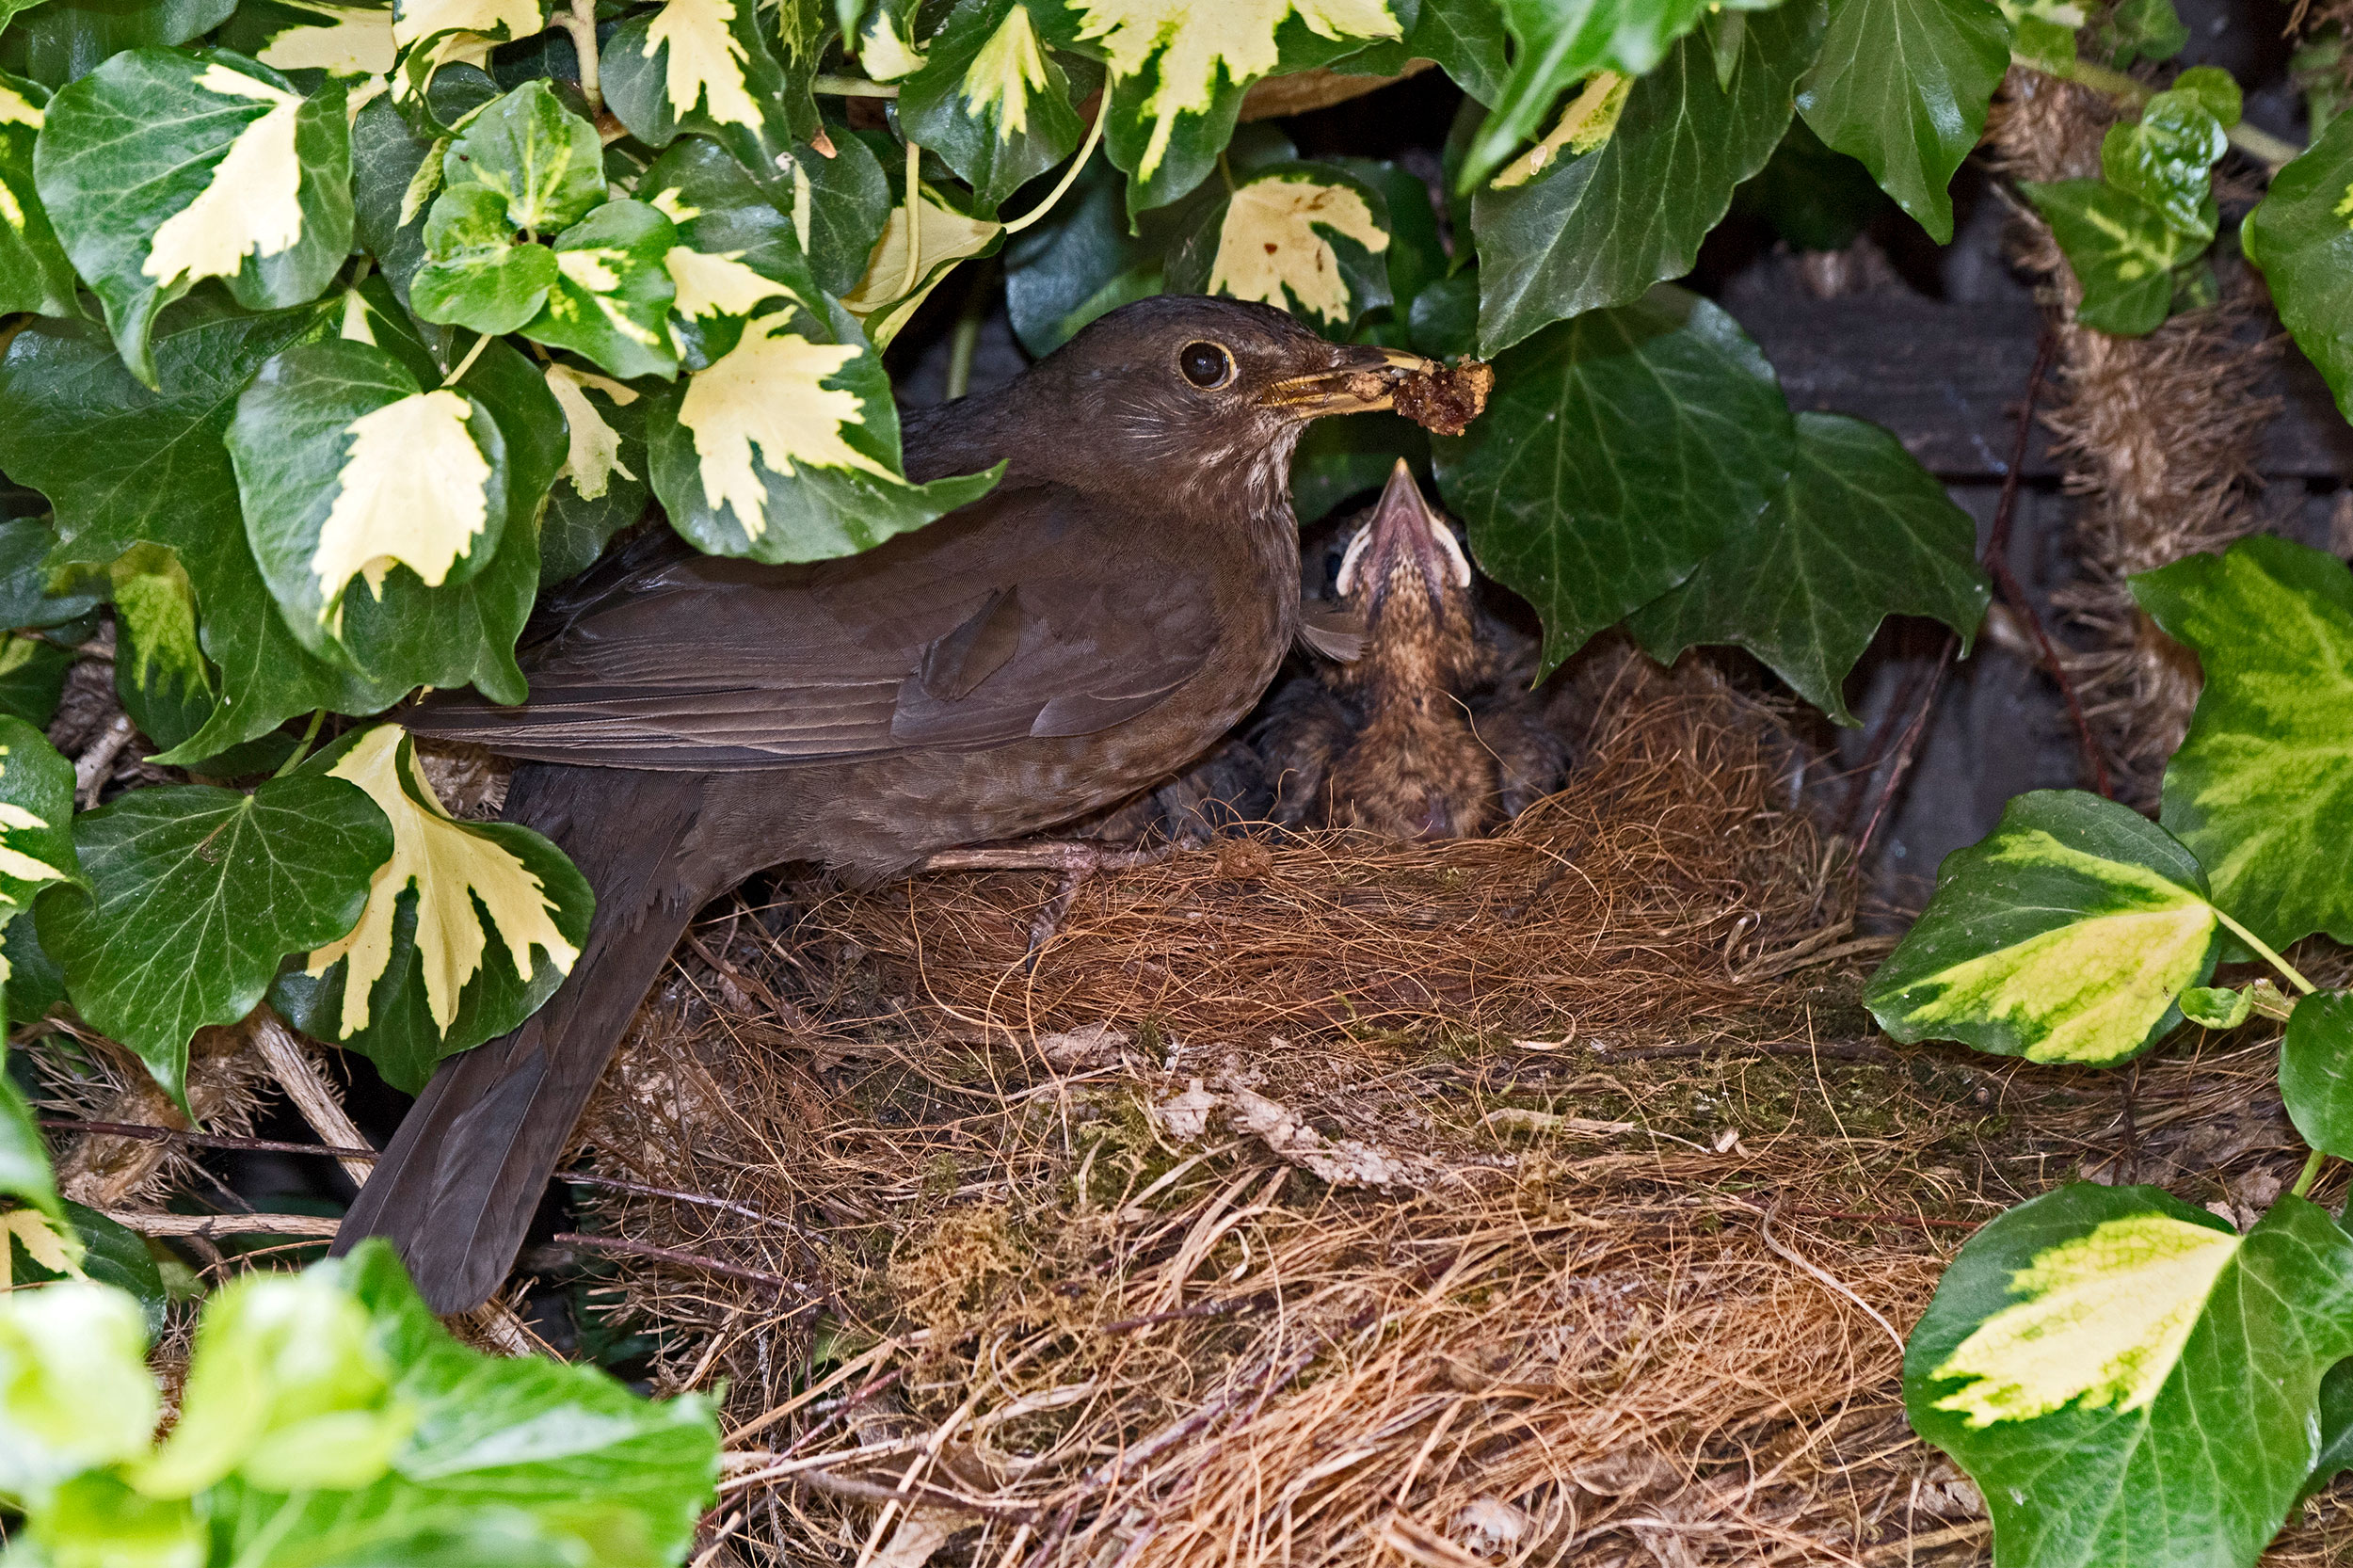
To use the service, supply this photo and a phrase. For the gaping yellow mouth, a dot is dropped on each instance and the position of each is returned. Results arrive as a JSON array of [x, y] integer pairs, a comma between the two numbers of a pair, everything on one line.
[[1367, 383]]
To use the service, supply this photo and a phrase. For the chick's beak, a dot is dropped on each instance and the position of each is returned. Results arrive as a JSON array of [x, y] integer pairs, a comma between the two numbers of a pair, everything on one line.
[[1362, 377], [1404, 528]]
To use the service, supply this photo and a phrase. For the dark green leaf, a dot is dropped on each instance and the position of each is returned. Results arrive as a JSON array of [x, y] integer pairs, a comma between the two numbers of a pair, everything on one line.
[[166, 683], [1861, 532], [1621, 450], [1903, 85], [435, 975], [395, 173], [474, 274], [787, 447], [2140, 30], [2258, 789], [34, 984], [1416, 256], [991, 101], [32, 677], [2130, 1380], [112, 1255], [2063, 935], [740, 251], [707, 68], [2304, 246], [2336, 1428], [1078, 262], [1598, 229], [2166, 159], [162, 168], [34, 274], [2316, 1071], [25, 1173], [68, 39], [2122, 249], [1307, 238], [1444, 321], [36, 817], [196, 893], [1467, 40], [33, 595], [1816, 199], [839, 206]]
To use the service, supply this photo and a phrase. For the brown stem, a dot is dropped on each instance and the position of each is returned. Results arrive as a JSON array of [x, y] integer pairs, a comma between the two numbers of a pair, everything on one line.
[[1907, 747], [682, 1259], [200, 1140]]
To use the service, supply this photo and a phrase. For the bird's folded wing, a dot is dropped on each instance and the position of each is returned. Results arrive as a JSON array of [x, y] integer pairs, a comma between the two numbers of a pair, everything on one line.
[[1026, 614]]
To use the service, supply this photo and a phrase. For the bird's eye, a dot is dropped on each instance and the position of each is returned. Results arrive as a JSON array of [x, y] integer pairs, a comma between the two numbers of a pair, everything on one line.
[[1206, 364]]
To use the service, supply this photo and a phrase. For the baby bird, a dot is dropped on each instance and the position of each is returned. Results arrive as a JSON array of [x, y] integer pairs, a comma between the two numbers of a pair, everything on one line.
[[1429, 732]]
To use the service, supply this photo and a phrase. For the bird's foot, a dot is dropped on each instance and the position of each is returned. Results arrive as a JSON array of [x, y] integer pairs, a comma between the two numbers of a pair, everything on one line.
[[1078, 862]]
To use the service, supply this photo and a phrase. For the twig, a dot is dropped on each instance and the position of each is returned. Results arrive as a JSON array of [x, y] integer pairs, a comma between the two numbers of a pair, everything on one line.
[[292, 1067], [1907, 747], [698, 1199], [200, 1140], [681, 1260], [1779, 1249], [92, 768], [2013, 593], [211, 1226]]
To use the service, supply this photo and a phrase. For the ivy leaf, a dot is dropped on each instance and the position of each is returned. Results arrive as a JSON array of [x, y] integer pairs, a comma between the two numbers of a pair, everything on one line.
[[2141, 30], [347, 470], [1308, 238], [2100, 1347], [1179, 70], [2166, 159], [316, 35], [75, 1393], [196, 894], [1620, 450], [2064, 936], [705, 66], [2301, 235], [601, 488], [166, 683], [1078, 262], [66, 39], [1861, 532], [474, 274], [125, 466], [786, 446], [2316, 1070], [2122, 250], [610, 302], [882, 301], [25, 1173], [34, 274], [541, 159], [1903, 85], [1564, 42], [1594, 230], [36, 819], [734, 250], [33, 595], [2258, 789], [2215, 1006], [1416, 256], [430, 34], [838, 207], [1469, 43], [991, 101], [470, 926], [395, 173], [162, 168]]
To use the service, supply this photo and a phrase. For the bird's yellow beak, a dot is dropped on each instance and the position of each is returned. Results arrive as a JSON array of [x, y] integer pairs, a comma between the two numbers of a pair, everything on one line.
[[1365, 380]]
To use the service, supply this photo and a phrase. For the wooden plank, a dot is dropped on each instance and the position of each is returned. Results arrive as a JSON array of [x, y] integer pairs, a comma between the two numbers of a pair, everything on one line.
[[1947, 378]]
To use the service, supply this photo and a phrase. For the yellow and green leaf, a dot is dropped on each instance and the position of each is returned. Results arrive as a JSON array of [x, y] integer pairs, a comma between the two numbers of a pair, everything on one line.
[[601, 488], [882, 301], [708, 67], [2262, 787], [34, 274], [2122, 249], [2067, 935], [2101, 1347], [610, 300], [161, 169], [74, 1389], [1307, 238], [430, 34], [469, 926], [1180, 69], [317, 35], [993, 101]]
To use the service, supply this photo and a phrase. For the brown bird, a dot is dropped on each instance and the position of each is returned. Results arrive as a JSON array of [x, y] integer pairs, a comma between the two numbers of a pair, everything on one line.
[[1112, 607], [1429, 733]]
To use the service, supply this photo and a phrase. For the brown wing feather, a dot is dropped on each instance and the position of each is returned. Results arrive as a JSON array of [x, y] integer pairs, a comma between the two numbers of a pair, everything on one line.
[[1028, 613]]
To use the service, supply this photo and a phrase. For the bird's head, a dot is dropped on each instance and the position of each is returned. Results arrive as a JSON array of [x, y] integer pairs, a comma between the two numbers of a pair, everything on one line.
[[1216, 390], [1409, 582]]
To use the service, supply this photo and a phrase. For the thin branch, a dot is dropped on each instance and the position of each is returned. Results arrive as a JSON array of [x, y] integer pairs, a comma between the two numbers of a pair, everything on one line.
[[581, 22], [200, 1140], [681, 1260]]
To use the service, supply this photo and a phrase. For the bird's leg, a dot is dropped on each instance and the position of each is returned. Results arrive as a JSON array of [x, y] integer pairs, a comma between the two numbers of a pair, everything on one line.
[[1076, 861]]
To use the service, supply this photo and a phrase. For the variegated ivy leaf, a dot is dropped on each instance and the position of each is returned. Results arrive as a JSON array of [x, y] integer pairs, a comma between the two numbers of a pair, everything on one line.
[[882, 301], [1180, 69], [543, 160], [2260, 789], [2316, 1070], [601, 488], [2121, 248], [991, 99], [1307, 238], [706, 66], [162, 168], [430, 34], [735, 250], [610, 301], [317, 35], [786, 447], [2067, 935], [474, 274], [2215, 1006], [36, 820], [347, 470], [2101, 1347], [468, 927], [34, 274]]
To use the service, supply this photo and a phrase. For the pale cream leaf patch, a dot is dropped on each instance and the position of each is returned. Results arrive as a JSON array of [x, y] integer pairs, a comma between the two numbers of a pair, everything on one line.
[[706, 62], [413, 491], [1271, 242], [451, 867], [17, 109], [352, 40], [251, 206], [948, 237], [1009, 68], [593, 456], [763, 404], [716, 285]]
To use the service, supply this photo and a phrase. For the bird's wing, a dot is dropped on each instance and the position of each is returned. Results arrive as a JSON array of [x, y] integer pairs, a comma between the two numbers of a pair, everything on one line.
[[1029, 613]]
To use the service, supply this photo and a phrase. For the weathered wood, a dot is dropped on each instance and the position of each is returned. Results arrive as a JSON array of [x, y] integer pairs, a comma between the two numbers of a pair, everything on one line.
[[1947, 378]]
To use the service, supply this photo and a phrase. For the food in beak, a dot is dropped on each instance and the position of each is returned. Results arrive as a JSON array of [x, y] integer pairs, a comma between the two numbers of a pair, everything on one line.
[[1445, 398]]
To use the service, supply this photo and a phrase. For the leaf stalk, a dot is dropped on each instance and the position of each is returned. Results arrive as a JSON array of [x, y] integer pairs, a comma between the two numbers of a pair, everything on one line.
[[2263, 949], [581, 23]]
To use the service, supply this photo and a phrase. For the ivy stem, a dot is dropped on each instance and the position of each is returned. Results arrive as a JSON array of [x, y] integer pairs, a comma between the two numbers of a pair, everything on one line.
[[2272, 152], [1070, 175], [853, 87], [467, 363], [967, 336], [914, 219], [2309, 1174], [2306, 986], [318, 717], [581, 25]]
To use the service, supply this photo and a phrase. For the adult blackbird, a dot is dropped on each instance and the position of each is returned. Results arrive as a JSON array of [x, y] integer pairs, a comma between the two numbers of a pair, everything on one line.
[[1430, 733], [1115, 605]]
